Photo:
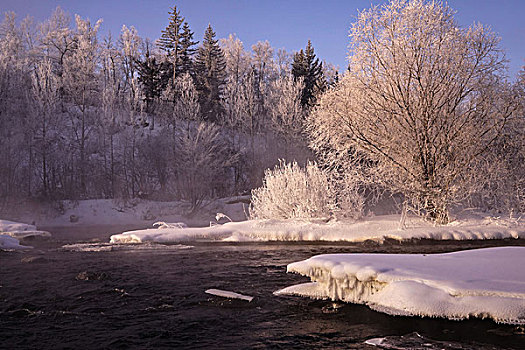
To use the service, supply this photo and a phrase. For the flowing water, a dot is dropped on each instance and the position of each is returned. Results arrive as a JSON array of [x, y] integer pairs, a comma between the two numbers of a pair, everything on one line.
[[153, 296]]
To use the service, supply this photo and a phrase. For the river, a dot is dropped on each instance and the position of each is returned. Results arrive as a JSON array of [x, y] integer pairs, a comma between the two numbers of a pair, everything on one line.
[[152, 296]]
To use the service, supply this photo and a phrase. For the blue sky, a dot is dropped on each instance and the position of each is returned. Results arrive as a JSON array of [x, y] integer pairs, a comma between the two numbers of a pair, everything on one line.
[[285, 23]]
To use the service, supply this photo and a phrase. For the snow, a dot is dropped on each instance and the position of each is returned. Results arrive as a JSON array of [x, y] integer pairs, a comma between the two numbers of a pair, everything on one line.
[[20, 230], [134, 212], [228, 294], [11, 243], [483, 283], [376, 228]]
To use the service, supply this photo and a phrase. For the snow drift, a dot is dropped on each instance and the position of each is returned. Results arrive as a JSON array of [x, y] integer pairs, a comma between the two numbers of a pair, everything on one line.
[[377, 228], [483, 283]]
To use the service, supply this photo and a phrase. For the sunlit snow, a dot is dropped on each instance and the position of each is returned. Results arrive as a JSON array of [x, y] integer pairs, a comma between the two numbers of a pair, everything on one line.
[[376, 228], [484, 283]]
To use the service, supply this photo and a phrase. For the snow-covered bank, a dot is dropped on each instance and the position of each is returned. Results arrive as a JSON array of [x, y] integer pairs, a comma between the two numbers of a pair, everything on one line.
[[485, 283], [133, 212], [20, 230], [377, 228]]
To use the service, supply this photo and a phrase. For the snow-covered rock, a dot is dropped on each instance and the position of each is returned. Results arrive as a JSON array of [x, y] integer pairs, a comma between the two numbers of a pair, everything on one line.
[[484, 283], [377, 228]]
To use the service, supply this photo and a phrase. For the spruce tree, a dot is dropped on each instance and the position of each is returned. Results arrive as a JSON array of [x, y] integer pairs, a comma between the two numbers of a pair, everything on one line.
[[177, 41], [306, 65], [150, 78], [187, 43], [210, 67]]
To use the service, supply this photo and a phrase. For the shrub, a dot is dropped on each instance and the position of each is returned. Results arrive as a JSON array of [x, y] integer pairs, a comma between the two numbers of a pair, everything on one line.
[[290, 191]]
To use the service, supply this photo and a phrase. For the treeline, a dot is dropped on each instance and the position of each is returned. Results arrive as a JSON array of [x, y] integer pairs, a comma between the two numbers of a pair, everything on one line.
[[89, 117]]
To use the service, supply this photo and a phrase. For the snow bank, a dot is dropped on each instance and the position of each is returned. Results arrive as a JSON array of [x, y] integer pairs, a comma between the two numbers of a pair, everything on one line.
[[378, 229], [11, 243], [484, 283], [19, 230], [137, 212]]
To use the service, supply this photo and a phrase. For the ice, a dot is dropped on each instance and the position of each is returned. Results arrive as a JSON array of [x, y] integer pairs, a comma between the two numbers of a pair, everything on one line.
[[20, 230], [483, 283], [109, 247], [162, 224], [228, 294], [376, 228], [417, 341], [11, 243]]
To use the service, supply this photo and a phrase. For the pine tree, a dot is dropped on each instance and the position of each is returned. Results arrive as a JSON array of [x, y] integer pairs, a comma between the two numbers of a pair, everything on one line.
[[210, 66], [306, 65]]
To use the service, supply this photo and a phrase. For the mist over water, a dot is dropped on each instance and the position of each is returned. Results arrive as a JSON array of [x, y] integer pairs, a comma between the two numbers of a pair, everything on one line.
[[152, 296]]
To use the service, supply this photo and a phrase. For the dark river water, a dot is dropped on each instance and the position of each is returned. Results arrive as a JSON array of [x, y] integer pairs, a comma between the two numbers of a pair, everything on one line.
[[151, 296]]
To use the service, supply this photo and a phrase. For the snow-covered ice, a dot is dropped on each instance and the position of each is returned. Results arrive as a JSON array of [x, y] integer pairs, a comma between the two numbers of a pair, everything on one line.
[[20, 230], [11, 243], [376, 228], [109, 247], [228, 294], [484, 283]]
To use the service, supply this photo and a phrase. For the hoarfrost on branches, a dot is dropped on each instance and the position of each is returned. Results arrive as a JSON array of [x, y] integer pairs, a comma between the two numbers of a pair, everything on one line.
[[421, 104]]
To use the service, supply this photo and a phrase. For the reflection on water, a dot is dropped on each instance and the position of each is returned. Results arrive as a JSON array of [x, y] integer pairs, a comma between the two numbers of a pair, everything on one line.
[[149, 296]]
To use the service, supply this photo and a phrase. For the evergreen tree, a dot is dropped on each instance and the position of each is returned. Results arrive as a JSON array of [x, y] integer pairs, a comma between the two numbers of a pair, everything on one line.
[[210, 66], [177, 41], [306, 65], [150, 78], [186, 61]]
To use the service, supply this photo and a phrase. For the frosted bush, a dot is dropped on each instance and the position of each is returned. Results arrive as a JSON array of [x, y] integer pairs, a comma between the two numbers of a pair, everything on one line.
[[290, 191]]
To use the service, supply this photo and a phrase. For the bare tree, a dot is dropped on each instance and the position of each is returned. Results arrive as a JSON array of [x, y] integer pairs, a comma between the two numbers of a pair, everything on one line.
[[423, 100]]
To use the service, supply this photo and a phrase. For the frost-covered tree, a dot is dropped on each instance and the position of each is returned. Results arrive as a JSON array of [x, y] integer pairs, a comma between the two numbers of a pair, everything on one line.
[[423, 101], [236, 58], [202, 163], [283, 62], [16, 148], [45, 100], [81, 87], [263, 63], [57, 38], [284, 106], [187, 104]]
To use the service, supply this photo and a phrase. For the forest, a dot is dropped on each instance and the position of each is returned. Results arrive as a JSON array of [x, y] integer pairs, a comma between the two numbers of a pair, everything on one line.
[[90, 117]]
